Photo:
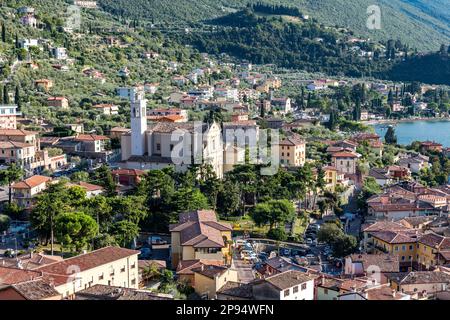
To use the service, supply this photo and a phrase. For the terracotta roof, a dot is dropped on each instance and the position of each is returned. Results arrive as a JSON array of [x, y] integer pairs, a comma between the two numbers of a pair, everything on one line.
[[128, 172], [90, 137], [353, 284], [185, 267], [87, 186], [237, 289], [345, 155], [385, 262], [36, 290], [13, 275], [31, 182], [200, 229], [14, 144], [435, 241], [288, 279], [420, 277], [16, 132], [384, 293], [210, 271], [292, 141], [385, 226], [89, 260], [103, 292], [396, 237]]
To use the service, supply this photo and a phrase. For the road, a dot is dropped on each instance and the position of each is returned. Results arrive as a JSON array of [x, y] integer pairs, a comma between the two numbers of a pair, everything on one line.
[[245, 271]]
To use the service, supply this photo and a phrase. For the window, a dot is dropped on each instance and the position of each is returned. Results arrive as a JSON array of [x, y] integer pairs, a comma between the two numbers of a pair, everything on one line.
[[286, 292], [133, 265], [158, 147], [325, 291], [403, 258], [100, 277], [410, 258], [122, 269], [303, 286], [410, 247], [171, 147], [404, 248], [295, 290], [396, 248], [133, 282]]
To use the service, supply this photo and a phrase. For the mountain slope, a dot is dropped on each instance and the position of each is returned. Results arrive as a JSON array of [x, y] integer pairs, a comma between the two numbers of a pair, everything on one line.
[[420, 23]]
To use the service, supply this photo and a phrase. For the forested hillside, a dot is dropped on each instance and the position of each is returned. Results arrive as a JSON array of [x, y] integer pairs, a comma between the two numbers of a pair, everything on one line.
[[423, 24], [305, 45]]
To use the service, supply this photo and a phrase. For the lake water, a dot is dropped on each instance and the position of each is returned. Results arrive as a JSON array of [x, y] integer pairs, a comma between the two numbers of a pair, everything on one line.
[[407, 132]]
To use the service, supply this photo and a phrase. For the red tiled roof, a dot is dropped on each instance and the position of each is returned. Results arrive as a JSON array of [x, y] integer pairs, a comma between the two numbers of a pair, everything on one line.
[[31, 182], [15, 132], [90, 137], [200, 229], [14, 275], [88, 261], [344, 155], [128, 172]]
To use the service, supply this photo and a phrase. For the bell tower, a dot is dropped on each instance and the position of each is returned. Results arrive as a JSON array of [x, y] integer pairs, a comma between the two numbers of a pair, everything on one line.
[[138, 122]]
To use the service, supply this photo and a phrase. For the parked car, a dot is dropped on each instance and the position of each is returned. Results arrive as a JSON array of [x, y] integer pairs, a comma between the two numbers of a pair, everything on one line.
[[240, 242], [156, 240]]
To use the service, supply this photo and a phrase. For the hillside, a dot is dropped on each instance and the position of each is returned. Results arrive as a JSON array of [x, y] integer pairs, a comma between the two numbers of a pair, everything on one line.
[[423, 24]]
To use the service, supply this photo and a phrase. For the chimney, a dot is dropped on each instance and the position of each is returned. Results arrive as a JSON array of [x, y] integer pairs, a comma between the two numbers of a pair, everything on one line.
[[322, 281], [393, 293], [203, 267]]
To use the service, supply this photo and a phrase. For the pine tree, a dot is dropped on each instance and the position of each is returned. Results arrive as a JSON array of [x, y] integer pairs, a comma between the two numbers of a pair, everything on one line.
[[390, 136]]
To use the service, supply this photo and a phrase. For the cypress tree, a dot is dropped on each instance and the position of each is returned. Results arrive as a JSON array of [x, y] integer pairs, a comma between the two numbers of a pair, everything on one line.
[[5, 95]]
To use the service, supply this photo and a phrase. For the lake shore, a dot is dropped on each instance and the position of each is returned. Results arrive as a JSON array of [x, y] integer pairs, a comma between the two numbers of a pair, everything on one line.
[[392, 121]]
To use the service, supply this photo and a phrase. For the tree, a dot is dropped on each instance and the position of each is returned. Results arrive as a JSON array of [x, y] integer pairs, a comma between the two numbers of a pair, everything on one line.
[[273, 213], [5, 95], [104, 177], [9, 176], [75, 230], [124, 232], [49, 204], [5, 221], [344, 245], [228, 198], [329, 232], [3, 32], [80, 176], [278, 234], [390, 136], [17, 99]]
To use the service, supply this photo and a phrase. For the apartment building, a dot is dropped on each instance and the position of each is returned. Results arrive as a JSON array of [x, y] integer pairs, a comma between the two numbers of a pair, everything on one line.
[[112, 266], [292, 151]]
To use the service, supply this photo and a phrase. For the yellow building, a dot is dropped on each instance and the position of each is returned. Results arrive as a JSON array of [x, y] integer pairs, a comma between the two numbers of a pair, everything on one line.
[[199, 236], [433, 250], [330, 177], [209, 279], [292, 152], [400, 243]]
